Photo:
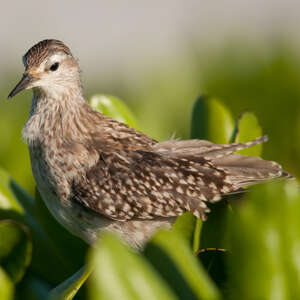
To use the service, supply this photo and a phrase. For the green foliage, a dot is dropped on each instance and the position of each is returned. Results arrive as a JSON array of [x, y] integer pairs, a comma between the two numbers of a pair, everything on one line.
[[265, 239], [266, 82], [246, 129], [207, 113], [15, 253], [258, 236], [113, 107], [174, 260], [68, 289], [122, 274], [6, 286]]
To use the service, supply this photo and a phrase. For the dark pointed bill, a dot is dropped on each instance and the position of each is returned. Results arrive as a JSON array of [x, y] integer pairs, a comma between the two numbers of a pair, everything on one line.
[[23, 84]]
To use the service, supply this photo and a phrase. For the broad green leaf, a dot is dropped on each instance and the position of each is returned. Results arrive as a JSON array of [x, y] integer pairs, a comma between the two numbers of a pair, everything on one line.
[[68, 289], [122, 274], [197, 235], [113, 107], [246, 129], [17, 205], [174, 260], [265, 238], [185, 226], [6, 286], [211, 120], [15, 249]]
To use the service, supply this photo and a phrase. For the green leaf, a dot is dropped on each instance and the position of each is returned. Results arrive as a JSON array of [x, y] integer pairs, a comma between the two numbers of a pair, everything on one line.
[[185, 226], [6, 286], [8, 200], [68, 289], [170, 255], [197, 235], [17, 205], [265, 238], [15, 249], [246, 129], [211, 120], [122, 274], [113, 107]]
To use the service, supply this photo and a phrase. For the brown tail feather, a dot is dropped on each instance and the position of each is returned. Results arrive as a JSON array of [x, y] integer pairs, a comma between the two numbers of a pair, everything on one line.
[[248, 170]]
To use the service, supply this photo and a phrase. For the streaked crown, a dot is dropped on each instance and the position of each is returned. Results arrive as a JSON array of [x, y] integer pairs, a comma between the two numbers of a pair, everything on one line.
[[36, 54]]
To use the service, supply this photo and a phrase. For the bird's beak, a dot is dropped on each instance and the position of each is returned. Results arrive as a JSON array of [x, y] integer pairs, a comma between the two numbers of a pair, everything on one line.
[[24, 83]]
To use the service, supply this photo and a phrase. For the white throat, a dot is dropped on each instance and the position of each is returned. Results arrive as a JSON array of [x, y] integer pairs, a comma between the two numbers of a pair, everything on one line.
[[50, 113]]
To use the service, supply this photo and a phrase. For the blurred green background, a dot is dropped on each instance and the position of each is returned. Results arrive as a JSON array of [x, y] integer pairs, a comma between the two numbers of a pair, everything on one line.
[[158, 57], [264, 79]]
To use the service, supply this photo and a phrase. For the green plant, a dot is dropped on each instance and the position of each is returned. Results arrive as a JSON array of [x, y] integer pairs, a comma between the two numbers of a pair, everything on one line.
[[248, 249]]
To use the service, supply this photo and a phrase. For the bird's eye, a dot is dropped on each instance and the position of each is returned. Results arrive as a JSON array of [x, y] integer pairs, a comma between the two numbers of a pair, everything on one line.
[[54, 67]]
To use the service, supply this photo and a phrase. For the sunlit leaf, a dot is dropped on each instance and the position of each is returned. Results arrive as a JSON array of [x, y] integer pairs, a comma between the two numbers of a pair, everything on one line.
[[246, 129], [185, 226], [68, 289], [15, 249], [122, 274], [113, 107], [211, 120], [6, 286], [265, 238], [174, 260]]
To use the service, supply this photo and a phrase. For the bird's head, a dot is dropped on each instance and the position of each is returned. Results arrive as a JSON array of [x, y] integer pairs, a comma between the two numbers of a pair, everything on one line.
[[49, 66]]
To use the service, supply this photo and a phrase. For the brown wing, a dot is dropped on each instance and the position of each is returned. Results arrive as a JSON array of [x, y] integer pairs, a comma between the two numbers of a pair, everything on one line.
[[177, 176], [147, 185]]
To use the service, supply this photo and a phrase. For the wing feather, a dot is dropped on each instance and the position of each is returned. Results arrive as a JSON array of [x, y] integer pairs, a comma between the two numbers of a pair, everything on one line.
[[175, 177]]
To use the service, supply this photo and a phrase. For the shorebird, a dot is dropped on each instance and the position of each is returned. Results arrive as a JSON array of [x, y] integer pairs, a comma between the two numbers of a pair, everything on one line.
[[96, 174]]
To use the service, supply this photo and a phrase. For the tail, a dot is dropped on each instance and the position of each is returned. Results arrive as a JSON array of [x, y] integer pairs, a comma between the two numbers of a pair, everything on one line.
[[216, 170], [245, 170], [241, 170]]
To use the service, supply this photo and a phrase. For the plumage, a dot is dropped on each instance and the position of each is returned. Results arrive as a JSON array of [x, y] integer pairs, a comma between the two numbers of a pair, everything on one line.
[[96, 174]]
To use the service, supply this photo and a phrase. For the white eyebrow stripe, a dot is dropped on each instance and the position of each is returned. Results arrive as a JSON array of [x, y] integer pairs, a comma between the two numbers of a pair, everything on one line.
[[58, 57]]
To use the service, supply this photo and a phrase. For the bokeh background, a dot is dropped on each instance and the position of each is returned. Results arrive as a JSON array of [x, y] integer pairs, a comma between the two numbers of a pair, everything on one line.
[[158, 56]]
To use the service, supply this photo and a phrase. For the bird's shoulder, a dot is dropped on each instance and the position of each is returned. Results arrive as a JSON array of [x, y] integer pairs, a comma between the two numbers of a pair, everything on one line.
[[110, 135]]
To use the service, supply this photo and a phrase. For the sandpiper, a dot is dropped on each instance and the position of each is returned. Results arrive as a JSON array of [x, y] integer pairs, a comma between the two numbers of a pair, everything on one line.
[[96, 174]]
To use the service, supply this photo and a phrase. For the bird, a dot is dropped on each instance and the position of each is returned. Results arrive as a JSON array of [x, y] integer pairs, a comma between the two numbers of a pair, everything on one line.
[[99, 175]]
